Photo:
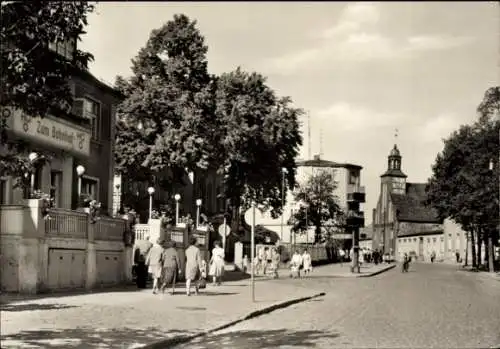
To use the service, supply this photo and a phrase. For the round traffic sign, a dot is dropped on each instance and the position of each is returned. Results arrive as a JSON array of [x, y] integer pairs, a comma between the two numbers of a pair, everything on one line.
[[224, 228]]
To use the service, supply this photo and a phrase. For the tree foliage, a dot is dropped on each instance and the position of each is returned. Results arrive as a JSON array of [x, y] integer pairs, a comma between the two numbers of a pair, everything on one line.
[[32, 78], [462, 186], [318, 206], [260, 135], [171, 95]]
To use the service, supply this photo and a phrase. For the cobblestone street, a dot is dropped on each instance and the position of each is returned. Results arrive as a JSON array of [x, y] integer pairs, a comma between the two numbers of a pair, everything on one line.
[[432, 306]]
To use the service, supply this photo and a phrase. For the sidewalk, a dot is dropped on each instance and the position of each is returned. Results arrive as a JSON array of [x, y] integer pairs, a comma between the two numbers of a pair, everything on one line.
[[132, 318]]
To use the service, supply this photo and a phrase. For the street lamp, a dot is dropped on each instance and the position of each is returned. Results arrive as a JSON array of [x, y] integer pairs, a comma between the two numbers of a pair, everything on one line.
[[151, 191], [198, 204], [177, 197], [32, 157], [283, 172], [80, 170]]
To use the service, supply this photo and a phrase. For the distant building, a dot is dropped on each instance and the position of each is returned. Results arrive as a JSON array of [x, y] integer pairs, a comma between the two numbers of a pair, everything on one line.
[[349, 191], [404, 223]]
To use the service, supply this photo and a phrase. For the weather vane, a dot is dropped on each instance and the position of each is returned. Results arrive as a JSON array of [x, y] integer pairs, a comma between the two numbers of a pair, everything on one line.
[[396, 135]]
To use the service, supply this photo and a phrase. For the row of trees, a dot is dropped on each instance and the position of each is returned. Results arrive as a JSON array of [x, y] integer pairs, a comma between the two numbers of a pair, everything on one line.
[[465, 181], [178, 117]]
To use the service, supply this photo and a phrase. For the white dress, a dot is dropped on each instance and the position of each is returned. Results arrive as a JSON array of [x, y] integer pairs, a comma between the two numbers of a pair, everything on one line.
[[296, 262], [306, 258], [217, 265]]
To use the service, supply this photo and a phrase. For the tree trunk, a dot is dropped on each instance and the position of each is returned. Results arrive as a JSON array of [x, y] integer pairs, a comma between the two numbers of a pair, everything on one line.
[[479, 253], [491, 252], [467, 249], [473, 248]]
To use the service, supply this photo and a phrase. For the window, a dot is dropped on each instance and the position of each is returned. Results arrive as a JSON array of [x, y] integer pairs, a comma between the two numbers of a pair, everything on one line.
[[90, 187], [428, 240], [353, 177], [3, 191], [434, 240], [414, 239], [404, 240], [89, 109], [64, 48], [442, 239]]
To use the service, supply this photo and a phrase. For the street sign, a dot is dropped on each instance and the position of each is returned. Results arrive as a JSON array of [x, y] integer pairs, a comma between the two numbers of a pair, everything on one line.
[[224, 229]]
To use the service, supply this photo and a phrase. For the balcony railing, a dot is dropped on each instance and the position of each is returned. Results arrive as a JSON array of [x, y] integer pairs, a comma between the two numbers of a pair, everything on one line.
[[108, 228], [356, 194], [142, 231], [67, 223]]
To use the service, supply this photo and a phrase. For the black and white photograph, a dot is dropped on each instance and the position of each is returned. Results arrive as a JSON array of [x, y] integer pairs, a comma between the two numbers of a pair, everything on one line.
[[249, 174]]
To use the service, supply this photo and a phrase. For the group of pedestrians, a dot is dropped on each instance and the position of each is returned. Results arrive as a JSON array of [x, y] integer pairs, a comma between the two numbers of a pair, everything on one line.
[[161, 261], [268, 259], [300, 262]]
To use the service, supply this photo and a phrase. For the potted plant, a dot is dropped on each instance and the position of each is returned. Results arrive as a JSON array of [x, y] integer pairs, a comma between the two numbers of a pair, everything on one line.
[[95, 208], [46, 202]]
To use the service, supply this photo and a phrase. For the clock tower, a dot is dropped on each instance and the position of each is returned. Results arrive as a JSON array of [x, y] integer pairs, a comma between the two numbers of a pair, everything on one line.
[[393, 181]]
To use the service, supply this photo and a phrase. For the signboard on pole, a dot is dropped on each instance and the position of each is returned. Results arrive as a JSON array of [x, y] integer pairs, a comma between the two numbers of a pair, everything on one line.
[[224, 230]]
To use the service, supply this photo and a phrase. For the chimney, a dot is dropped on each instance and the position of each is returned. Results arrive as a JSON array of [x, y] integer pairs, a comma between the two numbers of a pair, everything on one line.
[[316, 157]]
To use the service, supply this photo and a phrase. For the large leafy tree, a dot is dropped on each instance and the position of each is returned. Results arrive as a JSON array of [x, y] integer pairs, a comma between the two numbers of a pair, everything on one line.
[[259, 135], [166, 119], [318, 206], [463, 187], [32, 78]]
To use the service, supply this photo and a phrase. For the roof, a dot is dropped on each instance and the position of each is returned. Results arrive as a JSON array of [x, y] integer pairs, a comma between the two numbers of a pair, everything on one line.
[[395, 151], [420, 233], [326, 163], [394, 173], [411, 207], [85, 74]]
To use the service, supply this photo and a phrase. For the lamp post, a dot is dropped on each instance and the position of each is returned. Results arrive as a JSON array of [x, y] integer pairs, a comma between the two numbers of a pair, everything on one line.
[[283, 173], [252, 247], [198, 204], [80, 170], [177, 197], [32, 157], [151, 191]]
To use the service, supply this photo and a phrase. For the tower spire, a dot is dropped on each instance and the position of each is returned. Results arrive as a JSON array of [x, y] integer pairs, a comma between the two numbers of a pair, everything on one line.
[[396, 133]]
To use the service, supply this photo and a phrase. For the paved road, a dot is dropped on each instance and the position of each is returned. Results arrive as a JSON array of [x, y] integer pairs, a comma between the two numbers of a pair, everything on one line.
[[432, 306]]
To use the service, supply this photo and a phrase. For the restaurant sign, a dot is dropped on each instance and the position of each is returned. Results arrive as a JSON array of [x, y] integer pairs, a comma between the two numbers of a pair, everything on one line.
[[49, 130]]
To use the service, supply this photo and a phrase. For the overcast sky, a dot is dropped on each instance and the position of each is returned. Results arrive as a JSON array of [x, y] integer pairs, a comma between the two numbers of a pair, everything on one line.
[[361, 69]]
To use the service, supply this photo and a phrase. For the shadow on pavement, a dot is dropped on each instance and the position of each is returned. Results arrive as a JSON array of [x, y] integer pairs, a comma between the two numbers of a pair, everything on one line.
[[83, 338], [9, 297], [261, 339], [211, 293], [34, 306]]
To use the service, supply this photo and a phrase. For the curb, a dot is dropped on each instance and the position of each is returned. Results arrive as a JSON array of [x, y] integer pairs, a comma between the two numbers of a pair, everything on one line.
[[378, 271], [170, 342]]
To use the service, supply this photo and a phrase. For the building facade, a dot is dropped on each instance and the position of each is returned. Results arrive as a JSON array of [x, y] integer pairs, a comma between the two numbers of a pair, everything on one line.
[[349, 192], [404, 223], [81, 135]]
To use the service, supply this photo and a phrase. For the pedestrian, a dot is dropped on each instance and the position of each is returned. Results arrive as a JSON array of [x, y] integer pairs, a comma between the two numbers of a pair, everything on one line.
[[433, 256], [306, 262], [154, 261], [276, 258], [171, 266], [269, 259], [193, 265], [295, 264], [457, 255], [245, 263], [261, 255], [217, 264], [342, 257], [141, 252]]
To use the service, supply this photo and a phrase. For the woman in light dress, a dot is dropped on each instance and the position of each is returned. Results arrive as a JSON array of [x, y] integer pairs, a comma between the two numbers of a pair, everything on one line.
[[307, 261], [295, 264], [217, 263], [193, 265]]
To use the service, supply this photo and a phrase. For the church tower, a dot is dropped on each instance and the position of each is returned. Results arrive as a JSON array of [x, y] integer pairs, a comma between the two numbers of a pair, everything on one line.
[[393, 181]]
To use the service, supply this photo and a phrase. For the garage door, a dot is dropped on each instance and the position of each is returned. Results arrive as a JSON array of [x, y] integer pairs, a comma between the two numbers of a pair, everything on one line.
[[109, 267], [67, 269]]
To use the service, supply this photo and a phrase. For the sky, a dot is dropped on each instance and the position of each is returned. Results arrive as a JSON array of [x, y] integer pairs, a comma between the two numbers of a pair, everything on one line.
[[361, 70]]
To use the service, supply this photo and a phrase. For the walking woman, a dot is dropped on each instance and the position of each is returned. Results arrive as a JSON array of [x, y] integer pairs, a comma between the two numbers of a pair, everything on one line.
[[193, 265], [171, 266], [217, 263], [154, 260]]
